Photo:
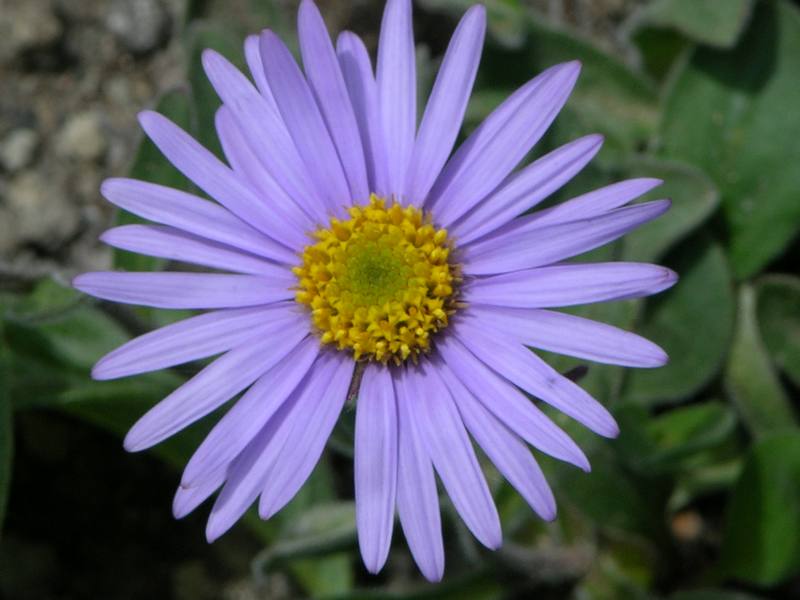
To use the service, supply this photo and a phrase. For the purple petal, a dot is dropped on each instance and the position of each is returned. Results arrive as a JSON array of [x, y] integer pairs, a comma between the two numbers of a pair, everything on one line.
[[316, 417], [591, 204], [258, 120], [247, 417], [186, 290], [572, 335], [375, 465], [363, 91], [171, 243], [509, 454], [509, 405], [447, 105], [451, 451], [217, 180], [193, 215], [304, 121], [417, 499], [252, 54], [187, 340], [325, 77], [251, 470], [534, 246], [246, 163], [397, 90], [570, 284], [523, 368], [526, 189], [215, 384], [187, 499], [501, 142]]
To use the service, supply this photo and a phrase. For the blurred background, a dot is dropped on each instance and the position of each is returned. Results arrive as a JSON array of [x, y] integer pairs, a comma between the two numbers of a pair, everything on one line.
[[698, 499]]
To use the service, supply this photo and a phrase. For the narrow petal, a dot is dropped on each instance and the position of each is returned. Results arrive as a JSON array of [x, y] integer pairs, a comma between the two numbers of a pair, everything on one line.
[[501, 142], [453, 457], [526, 370], [534, 246], [246, 163], [210, 175], [375, 465], [192, 215], [187, 499], [304, 122], [247, 417], [171, 243], [187, 340], [252, 54], [316, 417], [397, 90], [325, 77], [508, 453], [446, 107], [363, 91], [526, 189], [592, 204], [215, 385], [509, 405], [186, 290], [260, 122], [251, 470], [573, 336], [570, 284], [417, 499]]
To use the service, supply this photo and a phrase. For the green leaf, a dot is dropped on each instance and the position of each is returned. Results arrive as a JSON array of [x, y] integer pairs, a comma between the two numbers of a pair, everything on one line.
[[733, 114], [204, 35], [750, 378], [761, 543], [778, 304], [706, 21], [694, 198], [693, 322], [6, 426], [712, 595], [150, 165]]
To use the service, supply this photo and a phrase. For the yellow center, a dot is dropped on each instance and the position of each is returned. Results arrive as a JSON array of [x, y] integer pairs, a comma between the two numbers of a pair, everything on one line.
[[379, 283]]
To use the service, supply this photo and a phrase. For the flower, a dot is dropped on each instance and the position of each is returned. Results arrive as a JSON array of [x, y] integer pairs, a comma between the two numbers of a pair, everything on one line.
[[364, 258]]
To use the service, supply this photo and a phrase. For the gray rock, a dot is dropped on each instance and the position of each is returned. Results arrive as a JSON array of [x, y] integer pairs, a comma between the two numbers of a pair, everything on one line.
[[27, 25], [82, 137], [17, 149], [140, 25], [40, 211]]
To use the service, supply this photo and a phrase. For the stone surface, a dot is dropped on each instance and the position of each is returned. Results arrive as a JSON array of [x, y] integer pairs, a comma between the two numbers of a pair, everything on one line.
[[18, 148], [82, 137], [26, 25], [40, 213], [140, 25]]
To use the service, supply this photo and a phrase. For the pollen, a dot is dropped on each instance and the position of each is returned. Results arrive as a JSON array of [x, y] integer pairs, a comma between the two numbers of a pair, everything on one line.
[[379, 284]]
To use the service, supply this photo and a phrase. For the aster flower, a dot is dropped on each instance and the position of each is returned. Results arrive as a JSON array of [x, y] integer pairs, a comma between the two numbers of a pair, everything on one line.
[[363, 255]]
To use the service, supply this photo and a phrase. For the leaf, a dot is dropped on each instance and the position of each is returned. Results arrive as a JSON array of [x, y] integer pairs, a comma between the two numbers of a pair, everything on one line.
[[750, 379], [761, 544], [693, 322], [204, 35], [706, 21], [733, 114], [6, 427], [694, 198], [712, 595], [150, 165], [778, 301]]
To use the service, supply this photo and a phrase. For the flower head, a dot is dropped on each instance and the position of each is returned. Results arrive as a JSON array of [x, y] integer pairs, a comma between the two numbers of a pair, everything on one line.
[[359, 248]]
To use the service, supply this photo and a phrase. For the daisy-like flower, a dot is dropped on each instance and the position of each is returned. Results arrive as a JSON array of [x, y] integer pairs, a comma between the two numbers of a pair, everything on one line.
[[367, 259]]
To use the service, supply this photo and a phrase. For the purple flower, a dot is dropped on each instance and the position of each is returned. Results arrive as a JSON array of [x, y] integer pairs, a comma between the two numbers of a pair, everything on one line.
[[361, 251]]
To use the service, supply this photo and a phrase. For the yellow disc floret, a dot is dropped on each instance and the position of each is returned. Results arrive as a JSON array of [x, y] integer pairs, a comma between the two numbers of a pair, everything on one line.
[[379, 283]]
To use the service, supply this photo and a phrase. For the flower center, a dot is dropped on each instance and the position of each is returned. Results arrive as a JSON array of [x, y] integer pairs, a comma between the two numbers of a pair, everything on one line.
[[379, 283]]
